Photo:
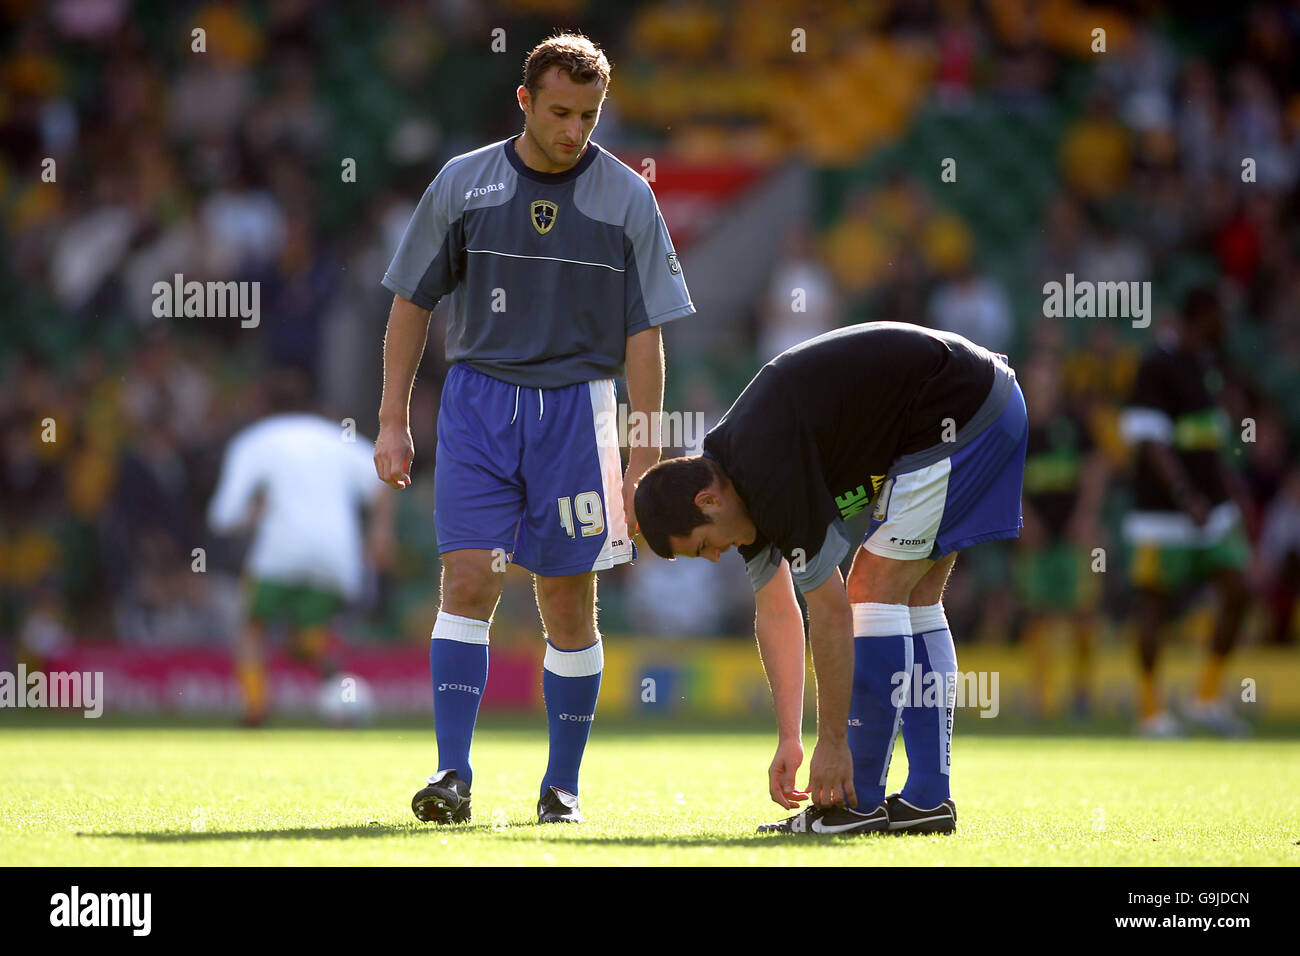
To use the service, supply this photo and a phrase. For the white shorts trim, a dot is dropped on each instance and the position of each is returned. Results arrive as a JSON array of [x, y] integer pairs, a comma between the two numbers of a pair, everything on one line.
[[911, 507], [617, 548]]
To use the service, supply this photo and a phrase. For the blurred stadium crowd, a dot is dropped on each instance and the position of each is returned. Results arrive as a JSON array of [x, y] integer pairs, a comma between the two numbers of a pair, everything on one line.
[[1122, 165]]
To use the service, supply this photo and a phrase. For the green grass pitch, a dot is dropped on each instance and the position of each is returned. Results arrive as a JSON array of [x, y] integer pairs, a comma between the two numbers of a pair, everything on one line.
[[103, 796]]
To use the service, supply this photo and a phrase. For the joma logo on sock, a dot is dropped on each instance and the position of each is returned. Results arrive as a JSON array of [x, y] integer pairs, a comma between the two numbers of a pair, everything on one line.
[[467, 688], [581, 718], [75, 908], [970, 689]]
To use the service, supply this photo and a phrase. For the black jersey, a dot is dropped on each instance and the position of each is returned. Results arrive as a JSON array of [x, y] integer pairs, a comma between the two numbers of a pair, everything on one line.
[[812, 437], [1173, 403], [1054, 460]]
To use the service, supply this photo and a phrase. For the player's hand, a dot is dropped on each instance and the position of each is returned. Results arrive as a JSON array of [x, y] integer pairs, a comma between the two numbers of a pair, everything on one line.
[[639, 461], [394, 452], [830, 774], [780, 775]]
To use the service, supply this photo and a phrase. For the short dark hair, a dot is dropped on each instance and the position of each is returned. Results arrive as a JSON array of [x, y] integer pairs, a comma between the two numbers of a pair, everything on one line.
[[289, 389], [665, 500], [573, 53]]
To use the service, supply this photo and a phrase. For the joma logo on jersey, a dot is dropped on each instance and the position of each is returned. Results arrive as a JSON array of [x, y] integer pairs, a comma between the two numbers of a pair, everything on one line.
[[468, 688], [543, 215], [484, 190]]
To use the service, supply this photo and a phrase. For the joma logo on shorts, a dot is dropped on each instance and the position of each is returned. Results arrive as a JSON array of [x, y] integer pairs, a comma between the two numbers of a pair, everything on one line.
[[484, 190], [908, 541], [468, 688], [580, 718]]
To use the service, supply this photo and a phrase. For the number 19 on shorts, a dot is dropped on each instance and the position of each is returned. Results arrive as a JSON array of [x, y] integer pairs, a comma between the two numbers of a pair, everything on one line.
[[589, 511]]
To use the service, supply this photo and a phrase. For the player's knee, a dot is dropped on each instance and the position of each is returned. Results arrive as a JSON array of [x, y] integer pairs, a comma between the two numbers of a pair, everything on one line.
[[878, 580], [571, 629], [929, 590], [568, 612], [469, 588]]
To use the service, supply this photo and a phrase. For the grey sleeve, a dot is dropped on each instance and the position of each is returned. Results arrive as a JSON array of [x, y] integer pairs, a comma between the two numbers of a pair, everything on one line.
[[429, 259], [811, 573], [763, 566], [656, 289]]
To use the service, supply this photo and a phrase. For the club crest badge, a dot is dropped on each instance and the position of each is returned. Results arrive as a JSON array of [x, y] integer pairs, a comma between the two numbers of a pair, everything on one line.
[[543, 215]]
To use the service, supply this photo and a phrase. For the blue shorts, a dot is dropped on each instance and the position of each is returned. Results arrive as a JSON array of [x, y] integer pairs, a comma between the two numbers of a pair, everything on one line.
[[532, 472], [971, 496]]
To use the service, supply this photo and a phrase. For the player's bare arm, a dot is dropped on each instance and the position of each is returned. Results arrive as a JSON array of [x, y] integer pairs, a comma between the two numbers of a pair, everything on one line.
[[645, 392], [408, 327], [1092, 487], [381, 538], [830, 632], [778, 628], [1241, 497]]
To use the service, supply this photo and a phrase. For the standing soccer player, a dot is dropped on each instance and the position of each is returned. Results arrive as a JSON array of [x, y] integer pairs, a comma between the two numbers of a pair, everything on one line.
[[302, 482], [1065, 481], [1185, 527], [560, 272], [937, 424]]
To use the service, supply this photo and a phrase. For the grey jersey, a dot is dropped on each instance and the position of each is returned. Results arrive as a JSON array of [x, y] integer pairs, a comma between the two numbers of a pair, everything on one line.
[[548, 273]]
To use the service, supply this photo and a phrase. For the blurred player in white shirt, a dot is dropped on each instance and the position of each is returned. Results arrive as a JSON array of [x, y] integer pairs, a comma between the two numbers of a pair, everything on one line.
[[301, 482]]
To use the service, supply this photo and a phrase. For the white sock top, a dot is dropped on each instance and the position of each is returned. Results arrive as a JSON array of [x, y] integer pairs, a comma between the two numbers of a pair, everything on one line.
[[579, 663], [453, 627], [928, 617], [881, 620]]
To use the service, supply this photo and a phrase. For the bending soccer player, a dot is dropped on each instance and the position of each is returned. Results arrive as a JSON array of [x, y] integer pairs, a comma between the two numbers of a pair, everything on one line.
[[560, 272], [936, 426]]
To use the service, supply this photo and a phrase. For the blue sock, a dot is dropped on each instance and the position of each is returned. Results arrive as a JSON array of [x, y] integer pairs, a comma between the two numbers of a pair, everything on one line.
[[882, 648], [570, 684], [927, 721], [458, 665]]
